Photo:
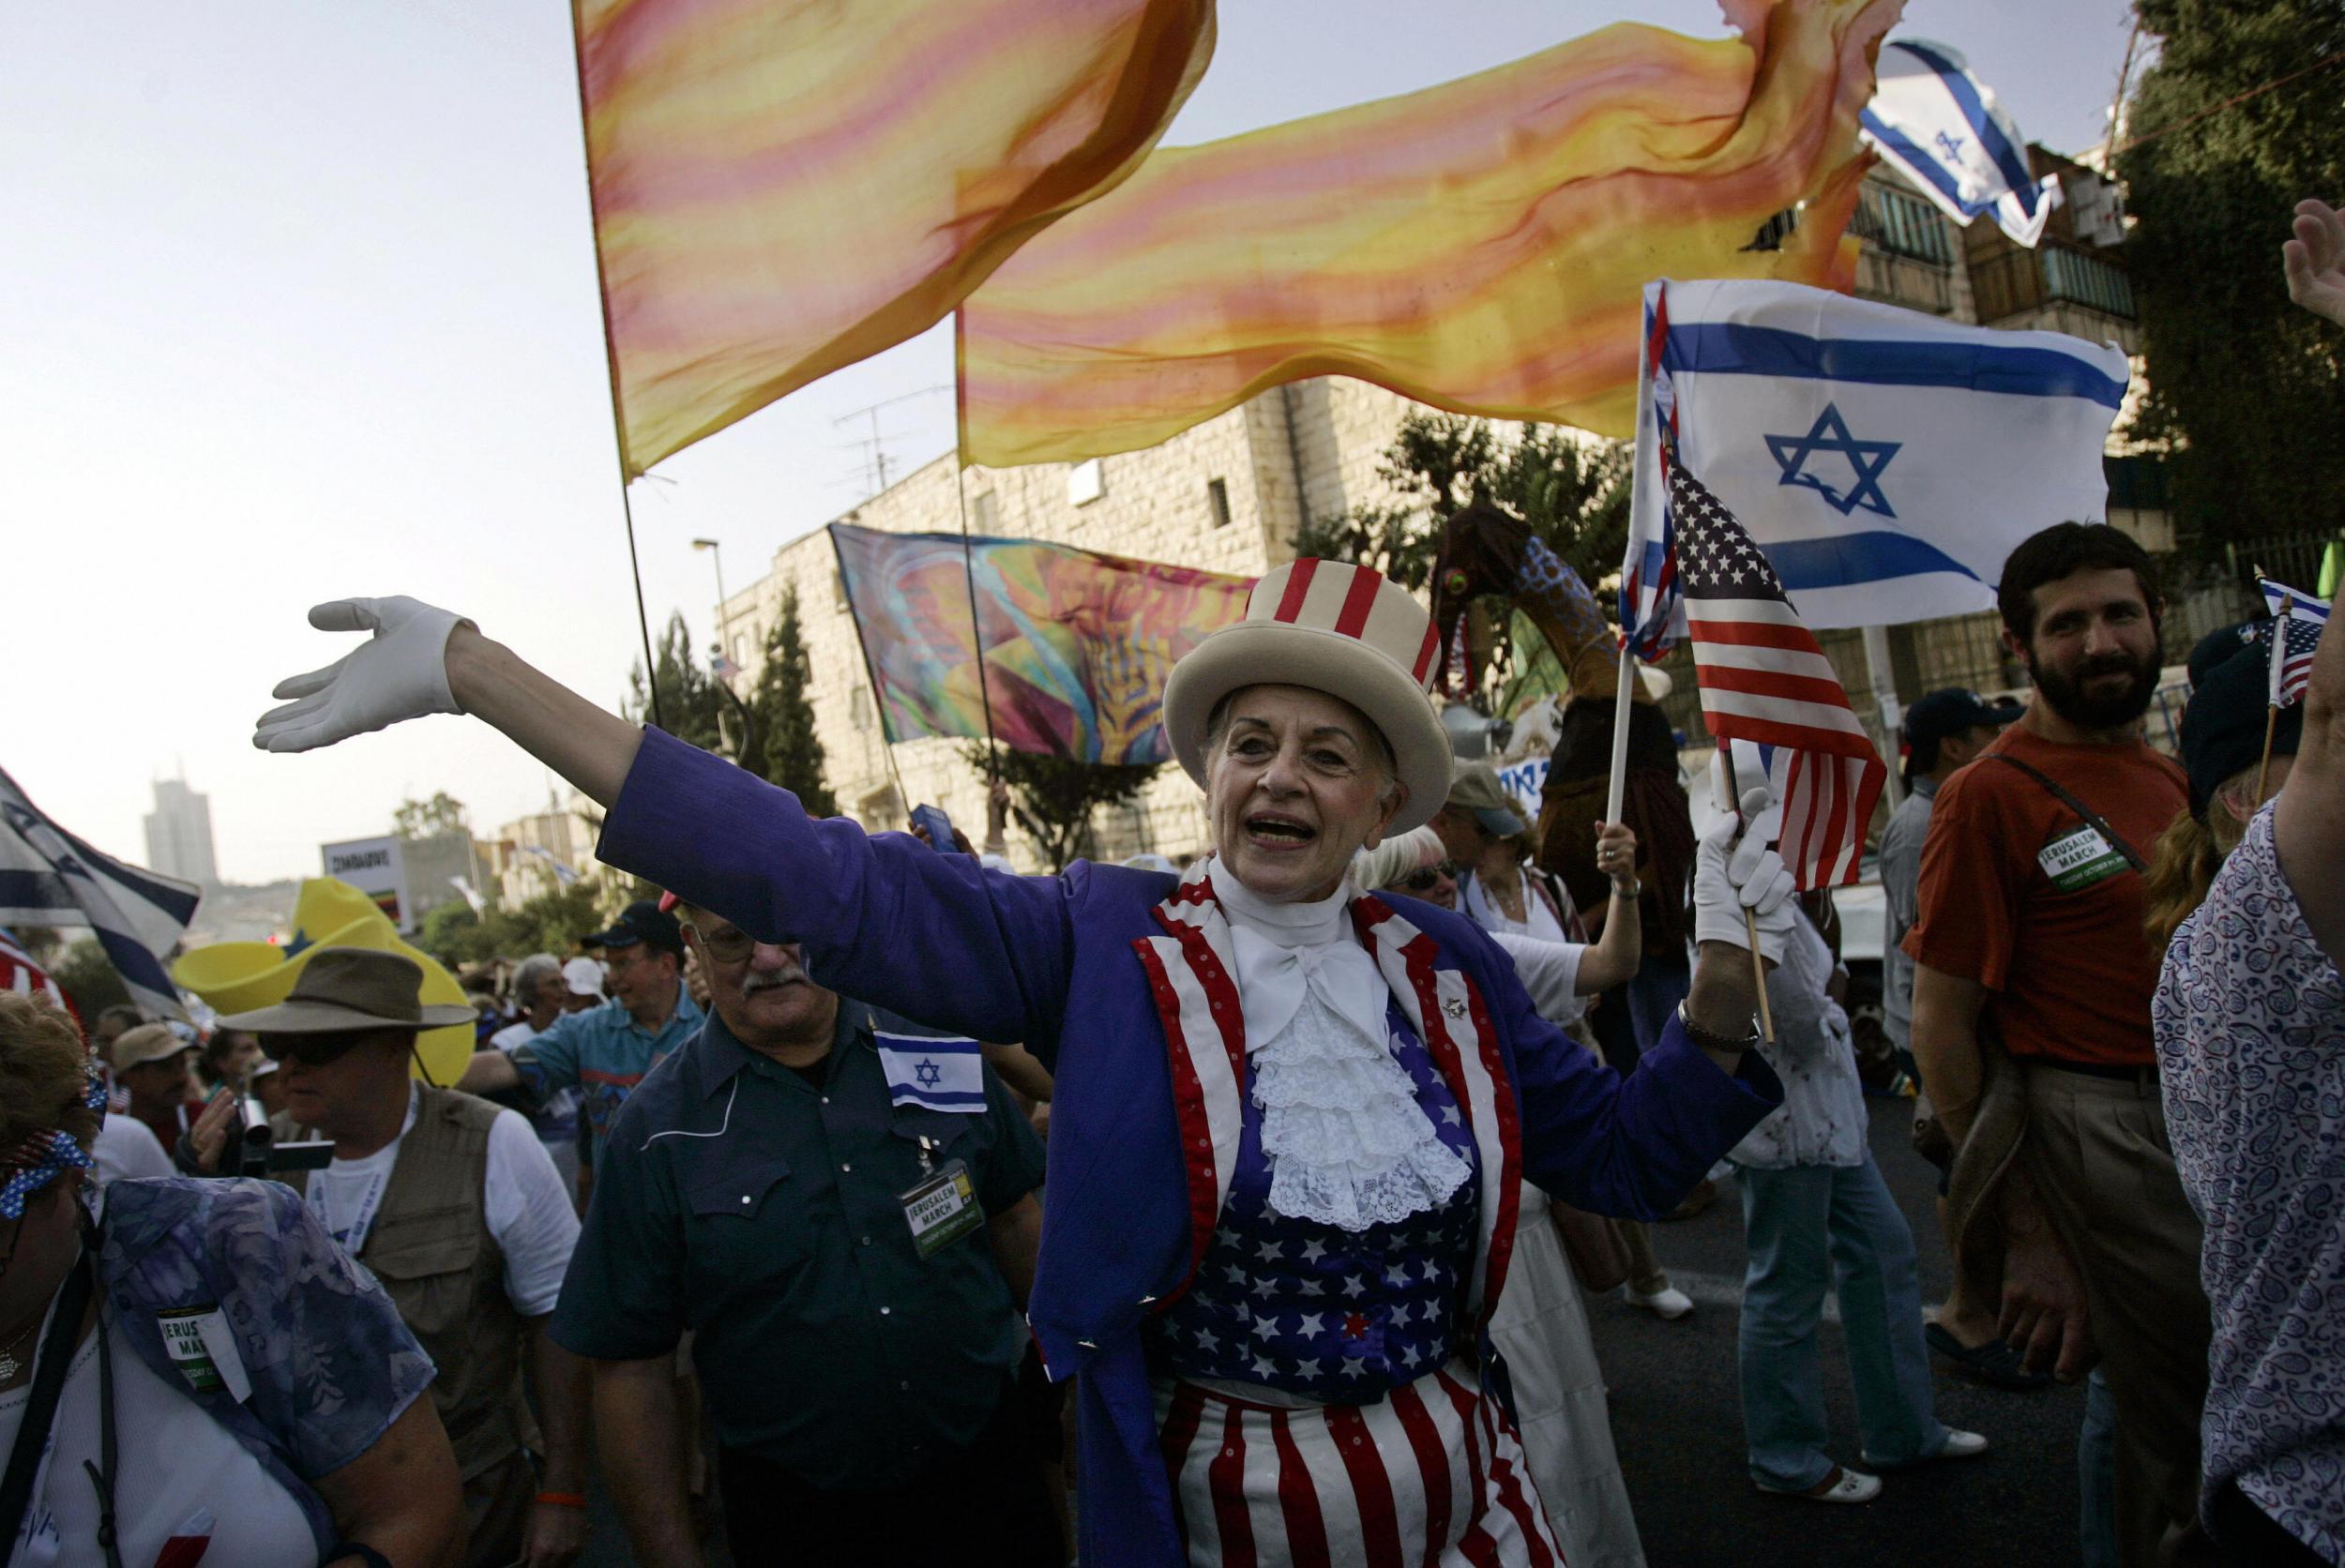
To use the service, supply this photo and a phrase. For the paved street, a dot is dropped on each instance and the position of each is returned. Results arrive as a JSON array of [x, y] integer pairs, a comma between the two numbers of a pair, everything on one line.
[[1678, 1422]]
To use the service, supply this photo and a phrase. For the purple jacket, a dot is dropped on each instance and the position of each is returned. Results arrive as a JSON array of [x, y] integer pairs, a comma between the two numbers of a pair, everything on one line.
[[1051, 962]]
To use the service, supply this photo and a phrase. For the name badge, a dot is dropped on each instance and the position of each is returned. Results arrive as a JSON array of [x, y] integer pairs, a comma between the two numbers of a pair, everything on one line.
[[942, 1209], [2081, 857], [205, 1351]]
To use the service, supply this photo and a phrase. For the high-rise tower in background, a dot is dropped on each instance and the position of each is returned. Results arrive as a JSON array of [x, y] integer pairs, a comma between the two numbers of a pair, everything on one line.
[[179, 833]]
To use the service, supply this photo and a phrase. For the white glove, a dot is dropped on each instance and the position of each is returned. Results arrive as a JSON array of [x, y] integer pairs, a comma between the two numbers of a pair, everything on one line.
[[399, 672], [1735, 869]]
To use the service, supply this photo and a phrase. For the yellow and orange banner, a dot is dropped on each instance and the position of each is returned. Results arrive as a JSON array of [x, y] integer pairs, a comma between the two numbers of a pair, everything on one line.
[[1481, 246], [784, 186]]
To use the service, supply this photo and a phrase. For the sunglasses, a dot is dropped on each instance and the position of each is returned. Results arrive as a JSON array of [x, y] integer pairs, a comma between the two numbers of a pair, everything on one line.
[[311, 1050], [1425, 879]]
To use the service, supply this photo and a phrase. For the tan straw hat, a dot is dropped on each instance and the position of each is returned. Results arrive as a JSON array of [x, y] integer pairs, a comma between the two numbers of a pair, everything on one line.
[[344, 989], [148, 1042], [1333, 628]]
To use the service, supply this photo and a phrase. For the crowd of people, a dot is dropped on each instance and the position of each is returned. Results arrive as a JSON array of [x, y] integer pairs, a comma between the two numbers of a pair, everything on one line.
[[751, 1211]]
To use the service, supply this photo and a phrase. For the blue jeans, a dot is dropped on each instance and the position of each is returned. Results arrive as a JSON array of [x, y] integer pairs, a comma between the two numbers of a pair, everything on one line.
[[1632, 1025], [2097, 1477], [1805, 1227]]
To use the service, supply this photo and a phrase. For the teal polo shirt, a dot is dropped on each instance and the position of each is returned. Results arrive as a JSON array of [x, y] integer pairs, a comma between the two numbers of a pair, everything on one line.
[[603, 1053], [760, 1208]]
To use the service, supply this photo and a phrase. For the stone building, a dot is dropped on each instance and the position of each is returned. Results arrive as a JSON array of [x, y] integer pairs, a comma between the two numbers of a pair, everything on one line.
[[1228, 494]]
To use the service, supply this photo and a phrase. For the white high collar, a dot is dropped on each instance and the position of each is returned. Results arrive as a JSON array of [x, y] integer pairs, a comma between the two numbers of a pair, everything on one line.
[[1284, 950]]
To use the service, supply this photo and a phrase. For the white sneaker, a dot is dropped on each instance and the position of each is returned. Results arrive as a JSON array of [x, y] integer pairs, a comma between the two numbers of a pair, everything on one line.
[[1846, 1485], [1958, 1445], [1669, 1304]]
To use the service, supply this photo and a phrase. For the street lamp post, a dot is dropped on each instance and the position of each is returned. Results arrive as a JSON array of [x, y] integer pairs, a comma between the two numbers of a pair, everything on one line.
[[724, 610]]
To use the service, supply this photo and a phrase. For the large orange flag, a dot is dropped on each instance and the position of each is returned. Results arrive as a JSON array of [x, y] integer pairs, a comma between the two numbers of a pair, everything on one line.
[[1482, 245], [783, 187]]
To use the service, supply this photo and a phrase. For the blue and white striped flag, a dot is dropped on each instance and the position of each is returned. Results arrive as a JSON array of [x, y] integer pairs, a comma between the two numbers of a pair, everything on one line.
[[1941, 127], [50, 878], [943, 1073], [1886, 461]]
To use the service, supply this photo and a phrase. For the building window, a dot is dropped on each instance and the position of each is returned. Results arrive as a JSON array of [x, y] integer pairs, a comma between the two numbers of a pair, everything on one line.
[[1217, 502], [2072, 275], [1902, 224], [1085, 482], [838, 592], [987, 510], [859, 707]]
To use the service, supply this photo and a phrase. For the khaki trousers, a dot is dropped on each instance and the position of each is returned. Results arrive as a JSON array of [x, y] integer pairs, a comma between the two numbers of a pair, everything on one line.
[[2096, 1148], [496, 1511]]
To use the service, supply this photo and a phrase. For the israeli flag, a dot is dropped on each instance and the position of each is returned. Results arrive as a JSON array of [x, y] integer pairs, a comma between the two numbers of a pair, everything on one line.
[[48, 877], [941, 1073], [1887, 461], [1942, 128]]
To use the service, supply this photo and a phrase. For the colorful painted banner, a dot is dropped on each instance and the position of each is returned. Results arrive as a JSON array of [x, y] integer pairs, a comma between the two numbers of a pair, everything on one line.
[[1479, 246], [1077, 645], [783, 187]]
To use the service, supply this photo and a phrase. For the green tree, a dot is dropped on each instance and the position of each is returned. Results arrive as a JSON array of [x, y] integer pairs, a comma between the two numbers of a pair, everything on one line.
[[2246, 392], [786, 750], [429, 819], [552, 922], [691, 703], [89, 977], [1573, 492], [1052, 797]]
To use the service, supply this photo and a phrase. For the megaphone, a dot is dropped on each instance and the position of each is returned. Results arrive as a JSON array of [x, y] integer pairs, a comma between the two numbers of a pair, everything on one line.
[[1472, 735]]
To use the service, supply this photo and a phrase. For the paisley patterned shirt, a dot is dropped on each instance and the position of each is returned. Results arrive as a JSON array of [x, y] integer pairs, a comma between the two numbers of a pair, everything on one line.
[[330, 1363], [2250, 1020]]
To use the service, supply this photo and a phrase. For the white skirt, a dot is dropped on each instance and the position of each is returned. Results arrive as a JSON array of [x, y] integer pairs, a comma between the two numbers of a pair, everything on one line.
[[1541, 1330], [1432, 1475]]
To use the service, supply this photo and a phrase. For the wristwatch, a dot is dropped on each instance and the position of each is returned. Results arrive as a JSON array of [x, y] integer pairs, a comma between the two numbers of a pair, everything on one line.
[[1708, 1041]]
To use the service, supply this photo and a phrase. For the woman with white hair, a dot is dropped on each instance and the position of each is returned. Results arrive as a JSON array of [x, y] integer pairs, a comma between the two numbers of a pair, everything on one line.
[[1291, 1124]]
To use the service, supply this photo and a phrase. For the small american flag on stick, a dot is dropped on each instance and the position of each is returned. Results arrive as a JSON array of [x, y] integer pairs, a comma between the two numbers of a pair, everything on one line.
[[2298, 620], [1764, 681]]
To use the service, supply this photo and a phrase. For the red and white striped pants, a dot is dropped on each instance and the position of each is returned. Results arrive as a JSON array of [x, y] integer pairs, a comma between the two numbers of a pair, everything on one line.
[[1432, 1475]]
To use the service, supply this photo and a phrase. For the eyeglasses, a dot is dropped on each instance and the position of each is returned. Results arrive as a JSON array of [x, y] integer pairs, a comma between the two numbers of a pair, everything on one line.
[[1426, 878], [727, 946]]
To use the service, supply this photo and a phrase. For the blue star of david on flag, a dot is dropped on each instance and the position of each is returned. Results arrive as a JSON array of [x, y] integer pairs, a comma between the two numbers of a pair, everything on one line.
[[1829, 436], [936, 1071]]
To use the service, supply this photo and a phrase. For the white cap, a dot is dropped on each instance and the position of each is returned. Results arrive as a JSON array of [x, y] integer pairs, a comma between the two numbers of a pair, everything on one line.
[[584, 976]]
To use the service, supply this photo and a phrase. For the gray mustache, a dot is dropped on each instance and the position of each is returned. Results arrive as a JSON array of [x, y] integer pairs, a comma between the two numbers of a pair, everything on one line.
[[787, 974]]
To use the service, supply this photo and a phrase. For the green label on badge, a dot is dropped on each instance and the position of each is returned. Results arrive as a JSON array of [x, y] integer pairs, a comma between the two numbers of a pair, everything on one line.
[[942, 1210], [182, 1336], [2081, 857]]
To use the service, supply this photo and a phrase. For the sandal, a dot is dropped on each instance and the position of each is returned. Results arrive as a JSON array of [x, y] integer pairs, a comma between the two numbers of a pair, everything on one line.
[[1993, 1365]]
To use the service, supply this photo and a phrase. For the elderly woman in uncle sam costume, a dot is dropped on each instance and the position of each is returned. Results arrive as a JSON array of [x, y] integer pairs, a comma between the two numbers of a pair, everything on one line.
[[1292, 1119]]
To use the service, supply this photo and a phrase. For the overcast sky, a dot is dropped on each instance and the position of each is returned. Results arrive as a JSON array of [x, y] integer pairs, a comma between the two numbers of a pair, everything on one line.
[[297, 302]]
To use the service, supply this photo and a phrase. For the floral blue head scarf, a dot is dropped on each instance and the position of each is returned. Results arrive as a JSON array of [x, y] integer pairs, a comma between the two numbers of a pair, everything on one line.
[[41, 1157]]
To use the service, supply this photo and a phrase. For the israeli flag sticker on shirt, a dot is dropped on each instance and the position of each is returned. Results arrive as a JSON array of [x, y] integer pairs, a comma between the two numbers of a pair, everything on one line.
[[947, 1074]]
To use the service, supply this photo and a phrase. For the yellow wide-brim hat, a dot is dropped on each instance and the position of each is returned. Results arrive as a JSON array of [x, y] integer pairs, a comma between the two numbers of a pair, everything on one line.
[[246, 976]]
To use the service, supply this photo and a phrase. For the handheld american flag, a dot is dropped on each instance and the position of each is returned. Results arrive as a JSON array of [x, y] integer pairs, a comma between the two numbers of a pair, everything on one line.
[[1764, 681], [2299, 620]]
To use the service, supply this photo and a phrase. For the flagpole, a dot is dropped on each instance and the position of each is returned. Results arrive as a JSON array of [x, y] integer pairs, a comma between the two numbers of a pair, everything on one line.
[[611, 363], [968, 554], [870, 673], [2274, 665], [1622, 693], [1750, 917]]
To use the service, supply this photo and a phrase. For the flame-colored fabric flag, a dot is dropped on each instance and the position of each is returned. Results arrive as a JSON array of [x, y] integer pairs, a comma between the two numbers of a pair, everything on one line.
[[1077, 645], [784, 186], [1481, 246]]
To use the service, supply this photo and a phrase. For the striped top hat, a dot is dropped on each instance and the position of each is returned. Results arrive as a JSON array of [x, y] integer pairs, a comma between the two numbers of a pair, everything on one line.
[[1333, 628]]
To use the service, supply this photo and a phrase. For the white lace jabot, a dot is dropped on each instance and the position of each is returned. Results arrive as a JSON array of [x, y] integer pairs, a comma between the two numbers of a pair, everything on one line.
[[1347, 1142]]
